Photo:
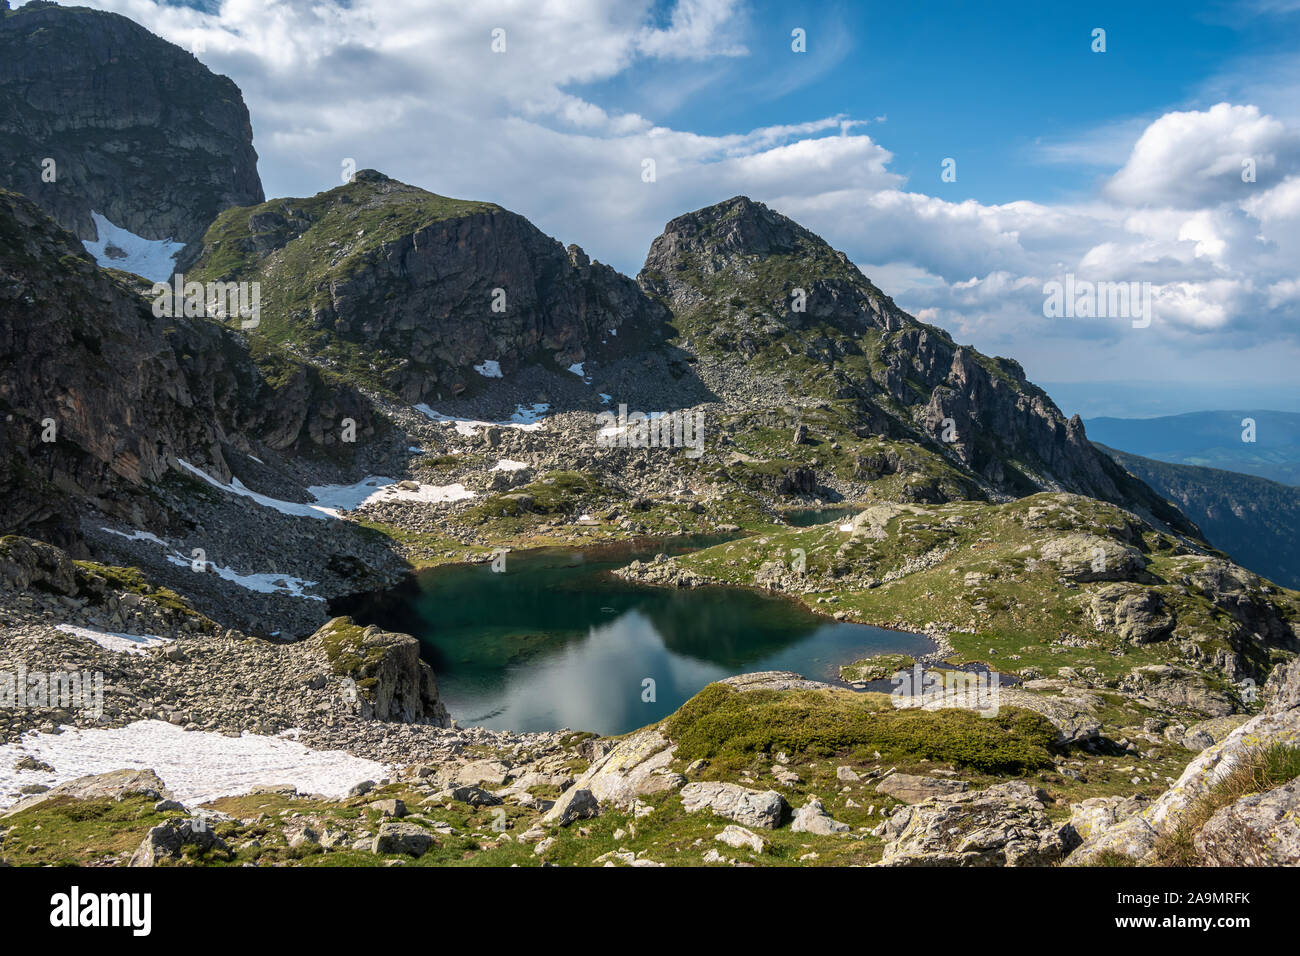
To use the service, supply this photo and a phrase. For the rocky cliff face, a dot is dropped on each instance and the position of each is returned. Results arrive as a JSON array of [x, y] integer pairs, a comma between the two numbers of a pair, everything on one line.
[[98, 397], [409, 291], [751, 288], [391, 681], [139, 130]]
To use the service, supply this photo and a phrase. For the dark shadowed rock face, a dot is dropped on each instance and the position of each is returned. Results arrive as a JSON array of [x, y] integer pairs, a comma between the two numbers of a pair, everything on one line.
[[98, 397], [391, 681], [751, 288], [140, 131], [408, 290]]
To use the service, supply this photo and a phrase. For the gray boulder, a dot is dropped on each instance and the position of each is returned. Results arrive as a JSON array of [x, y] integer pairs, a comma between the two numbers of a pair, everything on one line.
[[635, 767], [813, 818], [1090, 557], [750, 808], [1133, 612], [741, 838], [167, 842], [397, 837], [574, 804], [910, 788], [474, 796], [1003, 825]]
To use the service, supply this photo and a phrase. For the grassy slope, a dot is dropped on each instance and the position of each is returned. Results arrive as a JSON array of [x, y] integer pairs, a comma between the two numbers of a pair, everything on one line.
[[1013, 607]]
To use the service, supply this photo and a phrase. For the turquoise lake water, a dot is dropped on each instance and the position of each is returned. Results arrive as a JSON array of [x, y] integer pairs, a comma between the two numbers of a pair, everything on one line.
[[557, 641]]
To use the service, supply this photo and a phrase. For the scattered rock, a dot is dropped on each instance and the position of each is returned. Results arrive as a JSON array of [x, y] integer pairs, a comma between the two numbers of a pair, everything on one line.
[[750, 808]]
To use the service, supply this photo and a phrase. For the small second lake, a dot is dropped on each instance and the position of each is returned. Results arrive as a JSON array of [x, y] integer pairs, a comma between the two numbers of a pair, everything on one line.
[[557, 641]]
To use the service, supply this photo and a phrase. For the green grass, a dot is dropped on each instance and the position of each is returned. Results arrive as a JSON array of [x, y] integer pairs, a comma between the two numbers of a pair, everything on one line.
[[728, 726]]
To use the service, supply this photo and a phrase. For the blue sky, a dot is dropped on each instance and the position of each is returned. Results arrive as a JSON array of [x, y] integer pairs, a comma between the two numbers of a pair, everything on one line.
[[1122, 166], [988, 83]]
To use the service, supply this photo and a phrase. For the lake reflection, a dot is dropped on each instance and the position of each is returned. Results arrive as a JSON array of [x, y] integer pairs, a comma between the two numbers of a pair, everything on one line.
[[557, 641]]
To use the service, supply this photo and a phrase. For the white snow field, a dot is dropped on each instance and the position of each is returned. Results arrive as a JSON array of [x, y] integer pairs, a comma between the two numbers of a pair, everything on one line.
[[333, 499], [526, 417], [262, 582], [197, 766], [117, 248], [113, 641]]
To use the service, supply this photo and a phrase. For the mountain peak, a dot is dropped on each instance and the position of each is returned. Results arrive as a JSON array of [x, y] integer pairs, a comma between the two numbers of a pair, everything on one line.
[[93, 89], [735, 227]]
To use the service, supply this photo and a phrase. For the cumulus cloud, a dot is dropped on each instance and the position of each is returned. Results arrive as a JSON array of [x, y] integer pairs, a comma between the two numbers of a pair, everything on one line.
[[1190, 159]]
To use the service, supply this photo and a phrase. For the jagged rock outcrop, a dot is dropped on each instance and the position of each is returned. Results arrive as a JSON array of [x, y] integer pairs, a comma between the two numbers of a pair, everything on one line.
[[168, 842], [392, 683], [1002, 825], [1137, 836], [118, 598], [113, 785], [1262, 829], [1179, 687], [424, 288], [99, 397], [139, 130], [748, 286]]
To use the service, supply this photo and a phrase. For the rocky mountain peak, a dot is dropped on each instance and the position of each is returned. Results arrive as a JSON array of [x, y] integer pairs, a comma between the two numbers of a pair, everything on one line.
[[413, 293], [101, 116], [733, 233]]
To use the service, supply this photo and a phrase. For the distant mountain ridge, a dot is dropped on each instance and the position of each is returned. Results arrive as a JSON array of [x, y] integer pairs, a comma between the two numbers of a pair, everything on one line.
[[1252, 519], [1211, 439]]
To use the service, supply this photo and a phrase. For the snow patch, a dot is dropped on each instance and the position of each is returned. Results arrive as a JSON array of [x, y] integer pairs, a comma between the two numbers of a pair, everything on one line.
[[137, 536], [117, 248], [375, 488], [530, 415], [489, 369], [506, 464], [197, 766], [237, 487], [331, 499], [263, 583], [525, 418], [435, 494], [110, 640]]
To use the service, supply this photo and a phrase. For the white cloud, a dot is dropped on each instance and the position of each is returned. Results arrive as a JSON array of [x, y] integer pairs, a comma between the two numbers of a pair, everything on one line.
[[1188, 159], [412, 87]]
